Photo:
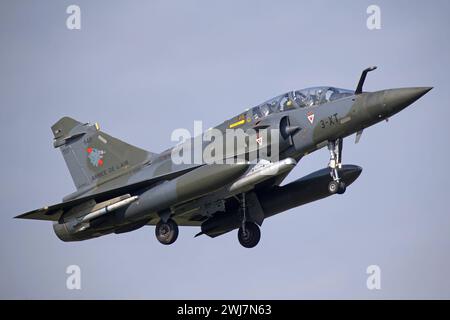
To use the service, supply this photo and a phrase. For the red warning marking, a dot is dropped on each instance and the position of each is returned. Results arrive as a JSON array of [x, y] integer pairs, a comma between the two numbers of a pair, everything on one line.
[[259, 140], [89, 150], [310, 116]]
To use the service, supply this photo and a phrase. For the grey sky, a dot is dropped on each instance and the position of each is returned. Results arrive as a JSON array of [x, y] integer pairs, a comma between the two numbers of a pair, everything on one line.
[[144, 68]]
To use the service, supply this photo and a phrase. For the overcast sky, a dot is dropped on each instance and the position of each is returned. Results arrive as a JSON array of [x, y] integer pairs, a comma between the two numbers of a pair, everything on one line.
[[144, 68]]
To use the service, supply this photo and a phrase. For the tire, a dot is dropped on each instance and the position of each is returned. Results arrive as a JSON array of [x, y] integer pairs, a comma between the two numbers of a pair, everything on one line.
[[333, 187], [166, 232], [251, 237]]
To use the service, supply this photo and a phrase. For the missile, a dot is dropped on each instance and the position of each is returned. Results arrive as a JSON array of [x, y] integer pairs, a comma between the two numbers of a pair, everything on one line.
[[105, 210], [72, 229], [259, 173]]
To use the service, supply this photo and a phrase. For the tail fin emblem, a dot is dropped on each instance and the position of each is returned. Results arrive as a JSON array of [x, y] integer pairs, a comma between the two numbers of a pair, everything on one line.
[[95, 156]]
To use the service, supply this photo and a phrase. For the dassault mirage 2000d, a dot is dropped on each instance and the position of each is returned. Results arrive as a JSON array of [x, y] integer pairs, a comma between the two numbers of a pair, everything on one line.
[[121, 188]]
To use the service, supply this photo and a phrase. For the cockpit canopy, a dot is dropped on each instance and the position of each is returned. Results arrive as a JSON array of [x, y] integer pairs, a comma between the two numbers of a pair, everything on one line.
[[308, 97]]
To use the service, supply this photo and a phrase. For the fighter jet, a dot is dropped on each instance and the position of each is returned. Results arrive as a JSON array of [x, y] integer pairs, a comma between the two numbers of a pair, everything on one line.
[[120, 188]]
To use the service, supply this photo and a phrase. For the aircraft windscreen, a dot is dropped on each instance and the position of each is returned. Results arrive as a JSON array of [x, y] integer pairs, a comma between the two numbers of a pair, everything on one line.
[[300, 99], [277, 104], [319, 95]]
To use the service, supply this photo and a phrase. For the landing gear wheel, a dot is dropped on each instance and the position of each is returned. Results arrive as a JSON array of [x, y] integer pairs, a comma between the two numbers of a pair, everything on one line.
[[342, 187], [333, 187], [249, 237], [166, 232]]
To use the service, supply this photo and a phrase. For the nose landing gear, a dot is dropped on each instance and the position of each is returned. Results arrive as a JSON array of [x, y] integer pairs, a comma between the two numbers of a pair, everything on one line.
[[335, 148]]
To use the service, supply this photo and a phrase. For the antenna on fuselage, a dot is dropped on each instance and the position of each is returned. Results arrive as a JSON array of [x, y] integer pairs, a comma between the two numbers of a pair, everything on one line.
[[359, 88]]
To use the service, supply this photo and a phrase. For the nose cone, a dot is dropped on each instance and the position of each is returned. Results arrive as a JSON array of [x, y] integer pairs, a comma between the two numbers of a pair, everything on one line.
[[396, 100]]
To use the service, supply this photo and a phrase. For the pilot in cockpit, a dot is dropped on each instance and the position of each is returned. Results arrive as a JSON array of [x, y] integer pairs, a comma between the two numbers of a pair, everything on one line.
[[299, 99], [285, 103], [318, 97]]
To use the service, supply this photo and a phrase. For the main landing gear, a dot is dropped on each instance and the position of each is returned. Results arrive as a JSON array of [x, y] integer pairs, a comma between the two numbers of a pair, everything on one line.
[[249, 233], [335, 148], [166, 232]]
